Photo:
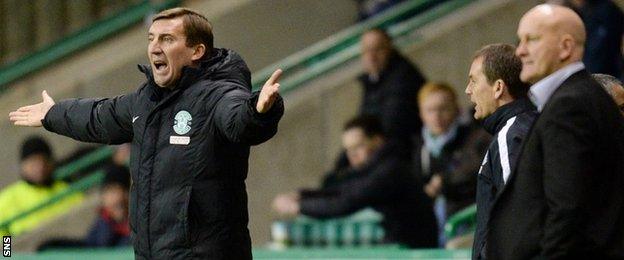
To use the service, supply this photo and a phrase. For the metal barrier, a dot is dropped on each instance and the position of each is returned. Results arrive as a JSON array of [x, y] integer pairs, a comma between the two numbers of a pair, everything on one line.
[[262, 253], [361, 229], [464, 219]]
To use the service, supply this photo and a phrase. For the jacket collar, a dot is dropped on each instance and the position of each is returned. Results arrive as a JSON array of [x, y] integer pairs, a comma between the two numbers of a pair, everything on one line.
[[495, 122], [541, 91], [222, 64]]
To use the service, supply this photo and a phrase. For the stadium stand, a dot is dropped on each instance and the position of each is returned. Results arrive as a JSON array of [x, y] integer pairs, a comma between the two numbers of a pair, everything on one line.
[[320, 86]]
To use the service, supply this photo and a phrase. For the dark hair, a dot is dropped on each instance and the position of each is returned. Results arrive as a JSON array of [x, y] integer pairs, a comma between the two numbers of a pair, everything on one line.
[[117, 175], [501, 62], [197, 28], [369, 124], [35, 145]]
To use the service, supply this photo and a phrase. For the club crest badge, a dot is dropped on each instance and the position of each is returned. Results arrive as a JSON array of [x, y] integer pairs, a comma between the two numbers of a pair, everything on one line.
[[182, 122]]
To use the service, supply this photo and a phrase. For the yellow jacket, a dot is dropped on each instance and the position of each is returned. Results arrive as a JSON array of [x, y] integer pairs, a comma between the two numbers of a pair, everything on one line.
[[21, 196]]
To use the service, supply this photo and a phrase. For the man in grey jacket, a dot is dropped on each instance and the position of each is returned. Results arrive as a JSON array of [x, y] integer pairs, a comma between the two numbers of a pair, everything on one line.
[[191, 125]]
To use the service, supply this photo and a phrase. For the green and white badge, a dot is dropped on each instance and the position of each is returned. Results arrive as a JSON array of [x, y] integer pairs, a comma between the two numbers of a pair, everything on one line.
[[182, 122]]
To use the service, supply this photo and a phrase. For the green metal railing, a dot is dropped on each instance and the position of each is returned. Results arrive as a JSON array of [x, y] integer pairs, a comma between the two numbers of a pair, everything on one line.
[[262, 253], [466, 218], [87, 36], [86, 161], [360, 229], [343, 47]]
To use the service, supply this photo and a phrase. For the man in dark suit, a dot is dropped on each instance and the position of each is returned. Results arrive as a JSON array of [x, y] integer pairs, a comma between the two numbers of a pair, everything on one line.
[[565, 198]]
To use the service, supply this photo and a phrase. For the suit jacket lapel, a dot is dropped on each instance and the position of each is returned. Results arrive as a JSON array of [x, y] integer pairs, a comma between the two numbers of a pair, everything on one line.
[[513, 173], [510, 181]]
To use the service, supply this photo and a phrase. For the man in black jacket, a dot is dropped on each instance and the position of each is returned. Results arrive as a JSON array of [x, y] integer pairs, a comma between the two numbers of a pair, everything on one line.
[[564, 200], [390, 84], [379, 177], [501, 105], [191, 125]]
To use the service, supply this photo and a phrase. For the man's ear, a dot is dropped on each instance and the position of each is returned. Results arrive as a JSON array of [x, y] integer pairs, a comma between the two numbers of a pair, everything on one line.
[[499, 88], [566, 47], [198, 52]]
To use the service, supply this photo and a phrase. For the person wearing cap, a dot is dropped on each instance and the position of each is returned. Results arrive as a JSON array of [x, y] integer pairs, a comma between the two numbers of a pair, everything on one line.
[[36, 186]]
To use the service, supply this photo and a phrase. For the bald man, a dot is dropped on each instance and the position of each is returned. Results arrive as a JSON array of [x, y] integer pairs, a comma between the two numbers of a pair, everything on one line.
[[565, 199]]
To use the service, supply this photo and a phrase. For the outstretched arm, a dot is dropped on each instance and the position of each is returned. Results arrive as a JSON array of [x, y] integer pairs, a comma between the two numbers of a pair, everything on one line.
[[105, 120], [32, 115], [243, 117]]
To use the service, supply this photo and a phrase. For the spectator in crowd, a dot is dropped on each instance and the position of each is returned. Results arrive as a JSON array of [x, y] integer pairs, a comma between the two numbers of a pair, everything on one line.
[[564, 199], [384, 182], [502, 106], [447, 154], [614, 87], [111, 227], [36, 187], [339, 174], [604, 24], [390, 81]]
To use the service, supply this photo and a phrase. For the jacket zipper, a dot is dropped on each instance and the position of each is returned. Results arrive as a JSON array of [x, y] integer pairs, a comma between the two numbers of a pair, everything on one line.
[[150, 115]]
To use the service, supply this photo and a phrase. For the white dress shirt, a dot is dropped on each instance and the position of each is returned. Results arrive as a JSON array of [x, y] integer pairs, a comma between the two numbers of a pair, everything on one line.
[[541, 91]]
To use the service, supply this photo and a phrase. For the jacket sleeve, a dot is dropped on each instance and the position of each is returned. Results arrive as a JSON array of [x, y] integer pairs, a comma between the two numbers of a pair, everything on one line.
[[567, 147], [105, 120], [238, 121], [399, 108], [351, 196]]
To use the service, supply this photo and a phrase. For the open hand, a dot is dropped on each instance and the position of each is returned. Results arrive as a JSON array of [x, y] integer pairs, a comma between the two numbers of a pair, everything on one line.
[[286, 205], [434, 187], [269, 92], [33, 114]]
